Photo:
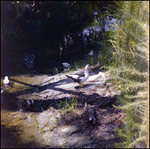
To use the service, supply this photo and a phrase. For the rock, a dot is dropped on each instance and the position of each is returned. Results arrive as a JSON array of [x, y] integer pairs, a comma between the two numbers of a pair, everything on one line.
[[47, 119]]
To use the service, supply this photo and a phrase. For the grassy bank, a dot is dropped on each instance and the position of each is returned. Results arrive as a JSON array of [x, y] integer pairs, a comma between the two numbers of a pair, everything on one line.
[[129, 67]]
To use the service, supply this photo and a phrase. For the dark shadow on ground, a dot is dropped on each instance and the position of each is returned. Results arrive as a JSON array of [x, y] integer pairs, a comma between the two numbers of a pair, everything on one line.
[[100, 135], [11, 102]]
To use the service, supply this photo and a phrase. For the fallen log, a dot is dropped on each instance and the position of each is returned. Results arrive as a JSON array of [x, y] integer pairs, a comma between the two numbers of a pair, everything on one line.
[[107, 102]]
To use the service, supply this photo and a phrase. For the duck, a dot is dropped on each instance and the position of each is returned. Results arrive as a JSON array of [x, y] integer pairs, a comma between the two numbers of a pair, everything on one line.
[[91, 53], [81, 79], [95, 77], [6, 80], [67, 65]]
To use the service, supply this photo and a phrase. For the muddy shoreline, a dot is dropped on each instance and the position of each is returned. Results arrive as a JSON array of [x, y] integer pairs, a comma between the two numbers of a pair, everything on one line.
[[49, 111]]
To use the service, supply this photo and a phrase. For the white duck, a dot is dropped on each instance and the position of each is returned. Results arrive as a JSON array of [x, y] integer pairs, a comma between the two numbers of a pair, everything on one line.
[[6, 80], [95, 77], [67, 65], [81, 79]]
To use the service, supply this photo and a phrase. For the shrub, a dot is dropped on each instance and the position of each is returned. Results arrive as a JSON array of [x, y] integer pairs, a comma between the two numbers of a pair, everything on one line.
[[129, 69]]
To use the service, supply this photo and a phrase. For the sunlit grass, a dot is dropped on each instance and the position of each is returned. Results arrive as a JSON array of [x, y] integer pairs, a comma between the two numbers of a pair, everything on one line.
[[68, 106], [129, 69]]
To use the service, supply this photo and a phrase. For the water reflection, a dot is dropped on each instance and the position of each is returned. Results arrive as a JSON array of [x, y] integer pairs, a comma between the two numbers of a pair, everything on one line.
[[67, 46], [29, 60], [71, 48]]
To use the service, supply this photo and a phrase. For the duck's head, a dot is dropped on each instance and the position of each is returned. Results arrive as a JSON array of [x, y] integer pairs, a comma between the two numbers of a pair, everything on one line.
[[87, 66]]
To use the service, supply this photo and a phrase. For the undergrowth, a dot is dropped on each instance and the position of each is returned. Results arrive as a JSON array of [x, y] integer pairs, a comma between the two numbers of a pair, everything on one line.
[[129, 67], [69, 105]]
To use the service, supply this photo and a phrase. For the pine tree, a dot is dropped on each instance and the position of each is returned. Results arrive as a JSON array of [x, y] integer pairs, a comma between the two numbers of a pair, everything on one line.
[[130, 70]]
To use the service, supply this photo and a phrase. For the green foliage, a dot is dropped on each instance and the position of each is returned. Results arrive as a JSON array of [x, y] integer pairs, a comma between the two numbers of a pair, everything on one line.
[[68, 105], [129, 70]]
